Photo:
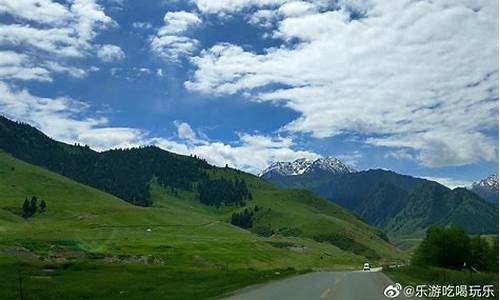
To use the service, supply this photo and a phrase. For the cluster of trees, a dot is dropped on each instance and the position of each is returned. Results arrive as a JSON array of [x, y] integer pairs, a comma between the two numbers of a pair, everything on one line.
[[221, 191], [452, 248], [30, 207], [245, 218], [132, 170]]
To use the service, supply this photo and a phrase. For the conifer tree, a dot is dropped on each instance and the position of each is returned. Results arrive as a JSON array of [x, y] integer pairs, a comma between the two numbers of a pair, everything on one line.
[[43, 205], [33, 205], [26, 208]]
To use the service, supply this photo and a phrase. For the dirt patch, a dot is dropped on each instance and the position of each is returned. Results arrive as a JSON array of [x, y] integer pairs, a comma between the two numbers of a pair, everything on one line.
[[288, 245], [62, 254], [134, 259], [19, 252]]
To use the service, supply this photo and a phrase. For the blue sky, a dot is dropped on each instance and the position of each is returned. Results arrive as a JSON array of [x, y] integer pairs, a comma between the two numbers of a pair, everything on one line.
[[409, 85]]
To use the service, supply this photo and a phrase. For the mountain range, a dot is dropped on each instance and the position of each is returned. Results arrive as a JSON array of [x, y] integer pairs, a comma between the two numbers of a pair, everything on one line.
[[403, 206], [328, 165]]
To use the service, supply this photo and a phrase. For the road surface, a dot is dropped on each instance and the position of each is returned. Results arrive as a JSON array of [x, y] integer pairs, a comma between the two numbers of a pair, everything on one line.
[[322, 286]]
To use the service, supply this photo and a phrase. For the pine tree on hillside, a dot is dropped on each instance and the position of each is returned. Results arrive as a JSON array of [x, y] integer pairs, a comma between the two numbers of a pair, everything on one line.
[[26, 208], [33, 205], [43, 205]]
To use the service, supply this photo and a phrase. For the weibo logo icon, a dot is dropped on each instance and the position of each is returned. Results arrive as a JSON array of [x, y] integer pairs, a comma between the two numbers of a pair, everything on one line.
[[393, 290]]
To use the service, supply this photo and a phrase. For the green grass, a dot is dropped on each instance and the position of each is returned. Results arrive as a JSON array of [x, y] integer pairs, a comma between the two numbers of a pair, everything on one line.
[[96, 243], [415, 275], [94, 280], [301, 213]]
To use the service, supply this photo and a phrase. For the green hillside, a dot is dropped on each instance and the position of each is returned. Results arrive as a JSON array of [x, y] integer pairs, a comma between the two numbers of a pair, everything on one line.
[[125, 173], [86, 236], [444, 207], [403, 206]]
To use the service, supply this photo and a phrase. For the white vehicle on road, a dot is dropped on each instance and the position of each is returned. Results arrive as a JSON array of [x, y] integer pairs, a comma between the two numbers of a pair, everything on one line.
[[366, 267]]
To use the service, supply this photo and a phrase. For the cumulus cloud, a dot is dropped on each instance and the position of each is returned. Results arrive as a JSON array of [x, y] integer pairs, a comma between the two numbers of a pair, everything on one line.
[[171, 41], [185, 132], [44, 35], [252, 152], [449, 182], [14, 65], [297, 9], [67, 33], [419, 76], [66, 119], [41, 11], [263, 17], [110, 53]]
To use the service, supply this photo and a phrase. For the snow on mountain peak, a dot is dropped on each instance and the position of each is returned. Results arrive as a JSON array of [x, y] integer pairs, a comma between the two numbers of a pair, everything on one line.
[[304, 166], [490, 182]]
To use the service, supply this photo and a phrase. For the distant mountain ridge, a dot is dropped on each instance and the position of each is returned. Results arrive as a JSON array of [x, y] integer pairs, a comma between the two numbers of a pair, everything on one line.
[[401, 205], [487, 188], [307, 166]]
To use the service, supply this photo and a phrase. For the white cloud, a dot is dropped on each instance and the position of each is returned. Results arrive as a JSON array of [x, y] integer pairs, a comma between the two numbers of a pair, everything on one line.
[[178, 22], [185, 132], [72, 71], [45, 34], [263, 17], [350, 159], [297, 9], [416, 75], [18, 66], [110, 53], [142, 25], [71, 37], [66, 119], [171, 41], [131, 73], [400, 154], [251, 153], [41, 11], [449, 182], [232, 6]]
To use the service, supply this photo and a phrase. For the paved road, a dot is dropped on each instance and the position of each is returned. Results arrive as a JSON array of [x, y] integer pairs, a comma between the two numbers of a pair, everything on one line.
[[322, 286]]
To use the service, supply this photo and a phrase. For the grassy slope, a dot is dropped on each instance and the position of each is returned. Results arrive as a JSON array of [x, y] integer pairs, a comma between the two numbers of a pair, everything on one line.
[[100, 223], [187, 236], [301, 213]]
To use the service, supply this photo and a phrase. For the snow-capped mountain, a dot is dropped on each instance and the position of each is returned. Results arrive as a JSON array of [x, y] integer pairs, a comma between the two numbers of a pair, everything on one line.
[[487, 188], [306, 166], [490, 182]]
